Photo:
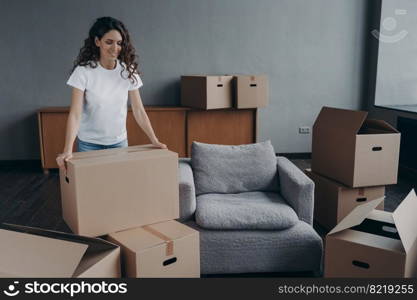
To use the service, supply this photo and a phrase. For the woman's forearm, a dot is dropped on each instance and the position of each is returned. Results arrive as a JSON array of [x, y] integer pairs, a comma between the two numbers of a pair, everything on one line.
[[144, 123], [73, 124], [142, 119], [74, 117]]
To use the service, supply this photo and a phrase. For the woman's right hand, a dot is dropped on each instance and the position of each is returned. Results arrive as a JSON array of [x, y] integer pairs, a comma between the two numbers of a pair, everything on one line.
[[62, 158]]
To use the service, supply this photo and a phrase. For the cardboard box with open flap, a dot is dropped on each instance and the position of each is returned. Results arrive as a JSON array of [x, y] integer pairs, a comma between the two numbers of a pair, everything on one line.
[[110, 190], [166, 250], [353, 150], [34, 252], [333, 201], [374, 243]]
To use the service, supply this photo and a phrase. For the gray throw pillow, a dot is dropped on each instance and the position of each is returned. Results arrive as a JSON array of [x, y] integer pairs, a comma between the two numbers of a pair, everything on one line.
[[234, 169]]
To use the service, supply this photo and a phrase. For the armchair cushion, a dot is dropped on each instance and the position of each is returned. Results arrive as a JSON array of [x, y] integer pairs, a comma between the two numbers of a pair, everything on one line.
[[250, 210], [234, 169], [296, 249]]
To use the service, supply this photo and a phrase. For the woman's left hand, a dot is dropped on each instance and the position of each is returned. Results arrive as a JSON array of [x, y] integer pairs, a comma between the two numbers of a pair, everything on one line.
[[160, 145]]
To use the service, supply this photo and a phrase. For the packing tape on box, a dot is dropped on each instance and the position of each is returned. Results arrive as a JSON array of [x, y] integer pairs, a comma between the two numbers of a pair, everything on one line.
[[361, 191], [168, 241]]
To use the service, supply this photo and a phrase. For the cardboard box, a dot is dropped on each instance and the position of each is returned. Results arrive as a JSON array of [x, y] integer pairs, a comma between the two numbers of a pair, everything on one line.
[[251, 91], [166, 249], [206, 92], [33, 252], [333, 201], [111, 190], [374, 243], [355, 151]]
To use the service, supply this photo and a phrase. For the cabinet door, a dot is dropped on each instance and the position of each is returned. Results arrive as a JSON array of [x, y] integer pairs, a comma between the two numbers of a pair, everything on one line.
[[169, 127], [227, 127], [52, 131]]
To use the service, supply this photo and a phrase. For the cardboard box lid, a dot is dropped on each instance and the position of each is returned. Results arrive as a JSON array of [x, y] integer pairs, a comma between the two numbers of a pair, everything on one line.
[[139, 239], [406, 221], [219, 77], [27, 250], [380, 126], [251, 77], [112, 151], [113, 155], [403, 216], [343, 120], [357, 215]]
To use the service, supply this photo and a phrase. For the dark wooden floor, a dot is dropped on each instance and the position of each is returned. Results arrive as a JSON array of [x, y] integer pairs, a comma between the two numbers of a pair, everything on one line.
[[28, 197]]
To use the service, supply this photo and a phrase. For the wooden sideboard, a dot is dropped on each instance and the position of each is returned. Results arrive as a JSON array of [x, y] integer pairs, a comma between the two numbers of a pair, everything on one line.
[[177, 127]]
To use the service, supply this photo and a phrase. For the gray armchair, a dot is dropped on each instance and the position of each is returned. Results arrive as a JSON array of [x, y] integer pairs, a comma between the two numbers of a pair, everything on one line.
[[241, 231]]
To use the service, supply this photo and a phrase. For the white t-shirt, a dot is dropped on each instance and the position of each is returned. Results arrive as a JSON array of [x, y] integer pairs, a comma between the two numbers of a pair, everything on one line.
[[103, 120]]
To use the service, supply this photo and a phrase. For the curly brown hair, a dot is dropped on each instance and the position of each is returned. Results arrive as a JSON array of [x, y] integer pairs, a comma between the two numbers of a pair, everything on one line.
[[89, 54]]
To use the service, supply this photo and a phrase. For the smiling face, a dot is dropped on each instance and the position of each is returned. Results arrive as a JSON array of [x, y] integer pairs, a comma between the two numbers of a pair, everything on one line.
[[110, 45]]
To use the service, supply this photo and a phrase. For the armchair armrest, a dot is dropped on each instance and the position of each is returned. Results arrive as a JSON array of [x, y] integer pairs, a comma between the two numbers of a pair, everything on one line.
[[187, 190], [297, 189]]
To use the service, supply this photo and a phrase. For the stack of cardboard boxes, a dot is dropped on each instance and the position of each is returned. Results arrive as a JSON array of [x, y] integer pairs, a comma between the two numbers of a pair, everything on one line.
[[114, 192], [130, 196], [353, 158], [219, 92]]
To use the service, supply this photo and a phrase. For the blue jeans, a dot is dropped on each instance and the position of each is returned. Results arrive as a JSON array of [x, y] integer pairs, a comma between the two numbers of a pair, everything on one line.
[[85, 146]]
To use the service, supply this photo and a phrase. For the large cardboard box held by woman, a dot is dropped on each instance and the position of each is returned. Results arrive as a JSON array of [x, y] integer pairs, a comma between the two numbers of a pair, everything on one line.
[[116, 189]]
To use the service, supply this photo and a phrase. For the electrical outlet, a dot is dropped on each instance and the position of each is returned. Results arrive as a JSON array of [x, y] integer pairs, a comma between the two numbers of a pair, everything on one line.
[[304, 130]]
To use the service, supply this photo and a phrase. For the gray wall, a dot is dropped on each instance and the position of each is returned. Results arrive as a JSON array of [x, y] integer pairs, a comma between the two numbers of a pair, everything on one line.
[[311, 50]]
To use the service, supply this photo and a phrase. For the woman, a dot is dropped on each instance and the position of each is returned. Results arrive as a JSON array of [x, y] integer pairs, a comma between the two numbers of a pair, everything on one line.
[[104, 76]]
